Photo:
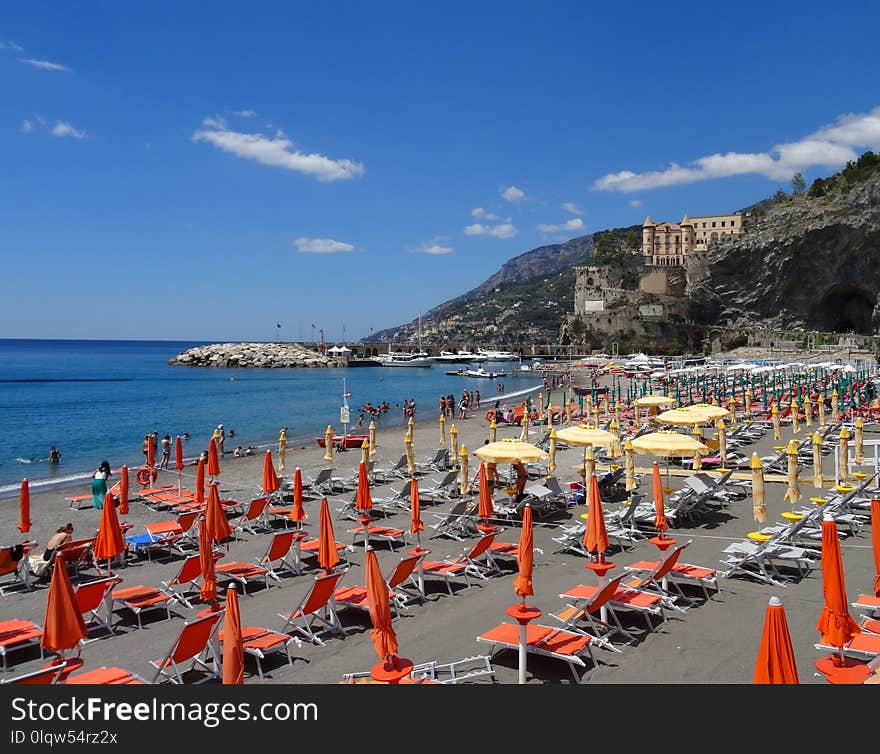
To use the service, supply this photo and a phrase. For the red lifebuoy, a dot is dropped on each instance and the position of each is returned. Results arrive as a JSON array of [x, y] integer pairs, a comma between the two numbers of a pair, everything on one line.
[[490, 415], [145, 476]]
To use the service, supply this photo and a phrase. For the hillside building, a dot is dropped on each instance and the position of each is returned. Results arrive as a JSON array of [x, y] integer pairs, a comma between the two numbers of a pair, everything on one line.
[[668, 244]]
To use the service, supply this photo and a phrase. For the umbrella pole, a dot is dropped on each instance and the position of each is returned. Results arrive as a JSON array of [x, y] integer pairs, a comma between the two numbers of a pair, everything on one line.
[[421, 570], [522, 653]]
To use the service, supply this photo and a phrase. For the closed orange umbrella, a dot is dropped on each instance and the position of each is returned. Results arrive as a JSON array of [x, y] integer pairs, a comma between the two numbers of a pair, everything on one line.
[[63, 626], [208, 589], [270, 478], [233, 646], [875, 541], [178, 453], [297, 513], [213, 461], [200, 483], [595, 535], [151, 452], [660, 522], [215, 517], [363, 501], [384, 638], [123, 491], [109, 542], [327, 555], [775, 663], [24, 507], [522, 586], [835, 623], [485, 508], [416, 524]]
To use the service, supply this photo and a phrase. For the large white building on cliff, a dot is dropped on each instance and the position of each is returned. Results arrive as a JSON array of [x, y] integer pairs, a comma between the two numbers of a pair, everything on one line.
[[667, 244]]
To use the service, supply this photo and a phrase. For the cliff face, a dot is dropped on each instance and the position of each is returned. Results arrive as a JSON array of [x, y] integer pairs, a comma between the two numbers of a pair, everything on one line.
[[810, 262]]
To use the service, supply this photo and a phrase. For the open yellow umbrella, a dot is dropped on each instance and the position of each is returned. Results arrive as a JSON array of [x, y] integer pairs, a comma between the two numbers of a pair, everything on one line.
[[774, 415], [511, 450], [759, 509], [843, 455], [713, 411], [464, 487], [683, 417], [793, 493], [668, 444], [442, 431], [453, 445], [808, 411], [588, 436], [328, 443], [818, 481], [653, 403], [795, 426], [859, 440], [372, 434]]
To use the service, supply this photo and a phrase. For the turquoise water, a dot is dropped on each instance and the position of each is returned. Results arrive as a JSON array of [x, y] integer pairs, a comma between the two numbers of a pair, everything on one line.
[[95, 400]]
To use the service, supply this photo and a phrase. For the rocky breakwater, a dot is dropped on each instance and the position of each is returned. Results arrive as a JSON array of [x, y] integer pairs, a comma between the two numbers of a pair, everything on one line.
[[253, 355]]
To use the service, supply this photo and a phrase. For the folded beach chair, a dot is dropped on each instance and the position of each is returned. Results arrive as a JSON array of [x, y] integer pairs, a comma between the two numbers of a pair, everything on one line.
[[403, 588], [193, 643], [316, 608], [438, 462], [141, 599], [260, 642], [458, 522], [763, 559], [622, 599], [318, 486], [475, 561], [398, 470], [18, 634], [680, 573], [255, 517], [95, 602], [14, 562], [546, 641], [188, 579], [387, 534]]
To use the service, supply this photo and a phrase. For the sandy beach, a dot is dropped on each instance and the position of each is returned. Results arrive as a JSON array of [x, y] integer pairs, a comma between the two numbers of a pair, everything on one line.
[[713, 642]]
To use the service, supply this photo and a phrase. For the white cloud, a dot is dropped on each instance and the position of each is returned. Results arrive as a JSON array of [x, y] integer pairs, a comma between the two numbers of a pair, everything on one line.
[[572, 208], [10, 45], [276, 151], [503, 230], [322, 245], [635, 202], [62, 129], [513, 194], [435, 246], [829, 147], [481, 214], [26, 126], [574, 224], [44, 64], [245, 113]]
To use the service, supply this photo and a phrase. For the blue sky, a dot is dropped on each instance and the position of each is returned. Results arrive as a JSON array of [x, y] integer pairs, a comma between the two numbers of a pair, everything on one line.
[[177, 172]]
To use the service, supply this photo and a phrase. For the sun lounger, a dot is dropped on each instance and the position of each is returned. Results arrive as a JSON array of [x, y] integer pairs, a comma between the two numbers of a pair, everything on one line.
[[475, 561], [95, 601], [260, 642], [141, 599], [862, 646], [387, 534], [402, 585], [868, 603], [242, 573], [458, 523], [105, 676], [282, 554], [18, 634], [193, 644], [398, 470], [187, 579], [316, 609], [685, 573], [254, 517], [14, 562]]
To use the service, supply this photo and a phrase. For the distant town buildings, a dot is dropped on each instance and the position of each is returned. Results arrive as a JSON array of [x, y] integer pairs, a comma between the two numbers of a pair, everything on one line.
[[667, 244]]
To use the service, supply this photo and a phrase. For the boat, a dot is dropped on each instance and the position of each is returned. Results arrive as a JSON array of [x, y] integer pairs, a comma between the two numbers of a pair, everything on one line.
[[400, 359], [351, 441], [492, 355], [459, 357], [477, 373]]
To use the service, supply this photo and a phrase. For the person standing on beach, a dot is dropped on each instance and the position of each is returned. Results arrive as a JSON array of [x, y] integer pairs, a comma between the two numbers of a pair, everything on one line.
[[220, 438], [477, 398], [282, 447], [146, 447], [99, 484], [166, 452]]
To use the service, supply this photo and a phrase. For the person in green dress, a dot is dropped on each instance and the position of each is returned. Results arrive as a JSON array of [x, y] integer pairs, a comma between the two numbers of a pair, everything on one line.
[[99, 484]]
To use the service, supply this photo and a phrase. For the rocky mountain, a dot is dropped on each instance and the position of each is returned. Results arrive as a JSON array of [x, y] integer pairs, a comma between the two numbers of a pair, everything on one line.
[[523, 302], [808, 261]]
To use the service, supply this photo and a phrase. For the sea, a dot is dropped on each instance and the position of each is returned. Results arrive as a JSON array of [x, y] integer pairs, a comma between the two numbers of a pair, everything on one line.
[[95, 400]]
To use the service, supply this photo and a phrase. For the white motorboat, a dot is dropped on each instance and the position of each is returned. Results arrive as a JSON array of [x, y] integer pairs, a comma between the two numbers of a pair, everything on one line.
[[492, 355], [479, 372], [401, 359], [459, 357]]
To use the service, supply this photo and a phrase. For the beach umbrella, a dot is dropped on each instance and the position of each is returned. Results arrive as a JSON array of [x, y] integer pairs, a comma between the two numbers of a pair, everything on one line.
[[382, 633], [835, 406], [372, 435], [712, 410], [587, 436], [215, 517], [485, 508], [774, 415], [297, 512], [416, 524], [233, 645], [178, 454], [808, 411], [63, 624], [595, 533], [213, 468], [511, 450], [363, 502], [151, 453], [775, 662], [524, 435], [328, 444], [493, 430], [522, 585], [660, 522], [629, 456], [835, 624], [410, 456], [821, 412], [843, 455], [109, 542], [442, 431], [365, 451], [731, 406], [793, 493], [208, 589], [722, 442], [795, 426], [615, 450], [551, 461], [123, 491], [759, 509], [327, 555], [24, 507], [200, 483], [410, 425], [453, 445], [747, 399], [270, 478], [683, 417], [282, 449], [818, 481], [464, 486], [859, 440], [875, 542]]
